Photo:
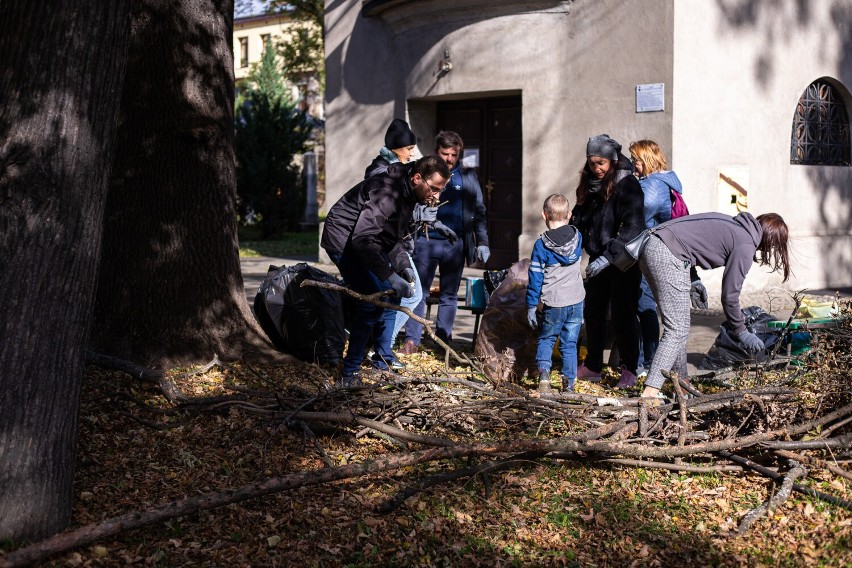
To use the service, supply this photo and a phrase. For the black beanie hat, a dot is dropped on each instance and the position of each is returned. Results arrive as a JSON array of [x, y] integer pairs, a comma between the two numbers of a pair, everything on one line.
[[399, 135]]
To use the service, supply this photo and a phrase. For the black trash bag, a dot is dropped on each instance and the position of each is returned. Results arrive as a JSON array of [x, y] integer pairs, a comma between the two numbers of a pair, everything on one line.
[[305, 322], [492, 279], [727, 351]]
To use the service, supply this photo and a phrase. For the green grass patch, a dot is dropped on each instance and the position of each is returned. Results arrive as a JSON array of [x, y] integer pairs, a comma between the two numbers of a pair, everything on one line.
[[290, 244]]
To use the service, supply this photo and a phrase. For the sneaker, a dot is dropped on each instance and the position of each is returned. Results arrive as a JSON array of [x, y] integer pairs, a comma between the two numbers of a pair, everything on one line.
[[642, 375], [568, 384], [397, 366], [350, 381], [409, 348], [627, 381], [394, 365], [584, 372]]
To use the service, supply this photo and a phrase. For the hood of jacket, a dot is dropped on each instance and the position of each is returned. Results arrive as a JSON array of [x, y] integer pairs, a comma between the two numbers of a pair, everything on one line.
[[750, 224], [564, 240], [667, 178]]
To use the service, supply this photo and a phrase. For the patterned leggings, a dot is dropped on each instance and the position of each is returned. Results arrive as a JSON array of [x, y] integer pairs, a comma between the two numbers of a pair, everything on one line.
[[668, 278]]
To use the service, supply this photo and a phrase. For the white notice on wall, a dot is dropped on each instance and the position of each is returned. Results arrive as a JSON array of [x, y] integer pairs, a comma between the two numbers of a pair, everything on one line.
[[471, 158], [651, 97]]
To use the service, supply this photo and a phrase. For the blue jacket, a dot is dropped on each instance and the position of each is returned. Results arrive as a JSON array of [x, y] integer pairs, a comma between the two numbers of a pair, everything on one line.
[[554, 273], [658, 201]]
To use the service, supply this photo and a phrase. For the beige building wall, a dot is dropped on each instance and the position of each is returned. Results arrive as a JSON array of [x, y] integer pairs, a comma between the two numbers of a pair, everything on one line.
[[574, 78], [732, 77], [733, 109], [249, 33]]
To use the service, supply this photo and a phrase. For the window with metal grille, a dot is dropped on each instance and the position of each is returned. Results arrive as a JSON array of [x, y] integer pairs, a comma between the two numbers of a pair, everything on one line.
[[820, 128]]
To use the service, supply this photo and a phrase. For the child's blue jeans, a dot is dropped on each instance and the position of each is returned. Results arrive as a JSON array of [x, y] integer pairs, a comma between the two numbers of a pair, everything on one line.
[[563, 323]]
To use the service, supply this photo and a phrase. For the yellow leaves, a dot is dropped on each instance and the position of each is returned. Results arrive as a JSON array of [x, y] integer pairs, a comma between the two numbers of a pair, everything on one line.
[[273, 540], [463, 517]]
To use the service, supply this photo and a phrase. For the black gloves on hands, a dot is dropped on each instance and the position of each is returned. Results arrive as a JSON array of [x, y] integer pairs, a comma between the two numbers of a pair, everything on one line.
[[402, 288], [445, 232], [698, 295], [424, 214], [409, 275], [751, 342], [531, 317]]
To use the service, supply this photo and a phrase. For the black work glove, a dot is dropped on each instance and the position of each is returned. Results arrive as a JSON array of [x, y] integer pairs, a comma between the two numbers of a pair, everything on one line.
[[424, 214], [409, 275], [445, 232], [698, 295], [751, 342], [402, 288]]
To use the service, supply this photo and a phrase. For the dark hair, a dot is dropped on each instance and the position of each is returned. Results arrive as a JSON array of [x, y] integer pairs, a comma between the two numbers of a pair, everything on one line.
[[607, 183], [449, 139], [773, 244], [430, 164]]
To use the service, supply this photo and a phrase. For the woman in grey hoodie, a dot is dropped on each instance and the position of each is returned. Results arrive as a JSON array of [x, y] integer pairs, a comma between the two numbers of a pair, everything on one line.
[[708, 240]]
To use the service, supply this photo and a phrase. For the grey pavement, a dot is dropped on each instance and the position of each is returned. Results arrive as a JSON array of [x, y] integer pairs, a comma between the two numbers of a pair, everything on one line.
[[704, 323]]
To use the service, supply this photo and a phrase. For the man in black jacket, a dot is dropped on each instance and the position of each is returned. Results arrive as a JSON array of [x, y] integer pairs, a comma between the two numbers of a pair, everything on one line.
[[363, 236]]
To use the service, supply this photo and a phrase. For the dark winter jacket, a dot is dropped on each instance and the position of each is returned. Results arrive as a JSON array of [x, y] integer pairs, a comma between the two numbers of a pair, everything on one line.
[[554, 273], [372, 219], [711, 240], [657, 188], [608, 225], [474, 222]]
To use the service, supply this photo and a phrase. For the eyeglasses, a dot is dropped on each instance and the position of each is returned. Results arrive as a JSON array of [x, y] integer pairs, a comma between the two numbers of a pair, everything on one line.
[[433, 188]]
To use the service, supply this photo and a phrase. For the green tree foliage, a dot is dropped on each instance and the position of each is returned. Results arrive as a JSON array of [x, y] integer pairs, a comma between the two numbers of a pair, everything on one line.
[[303, 49], [270, 131]]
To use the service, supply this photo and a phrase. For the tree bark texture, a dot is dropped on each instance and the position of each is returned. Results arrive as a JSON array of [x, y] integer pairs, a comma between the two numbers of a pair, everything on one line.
[[61, 68], [171, 291]]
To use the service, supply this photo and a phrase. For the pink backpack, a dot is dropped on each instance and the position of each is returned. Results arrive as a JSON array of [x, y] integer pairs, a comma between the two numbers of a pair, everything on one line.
[[679, 208]]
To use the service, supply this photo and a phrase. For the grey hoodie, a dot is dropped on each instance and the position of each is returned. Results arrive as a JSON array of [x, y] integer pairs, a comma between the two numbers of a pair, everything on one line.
[[711, 240]]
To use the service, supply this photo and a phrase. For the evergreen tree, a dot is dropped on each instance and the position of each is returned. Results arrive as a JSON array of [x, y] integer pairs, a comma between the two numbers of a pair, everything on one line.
[[270, 132]]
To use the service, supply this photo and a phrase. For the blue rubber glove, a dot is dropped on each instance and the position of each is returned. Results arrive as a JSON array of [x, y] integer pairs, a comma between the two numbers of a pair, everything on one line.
[[402, 288], [698, 295], [531, 317], [409, 275], [751, 342], [445, 232], [596, 266], [482, 253]]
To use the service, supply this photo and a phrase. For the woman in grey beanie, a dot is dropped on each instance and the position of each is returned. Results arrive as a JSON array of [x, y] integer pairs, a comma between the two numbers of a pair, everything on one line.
[[609, 213]]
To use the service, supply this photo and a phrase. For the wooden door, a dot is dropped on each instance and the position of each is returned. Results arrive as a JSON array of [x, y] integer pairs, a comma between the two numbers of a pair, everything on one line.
[[493, 126]]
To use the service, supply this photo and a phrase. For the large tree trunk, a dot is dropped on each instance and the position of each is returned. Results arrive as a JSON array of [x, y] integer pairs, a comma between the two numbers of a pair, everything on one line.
[[61, 68], [171, 291]]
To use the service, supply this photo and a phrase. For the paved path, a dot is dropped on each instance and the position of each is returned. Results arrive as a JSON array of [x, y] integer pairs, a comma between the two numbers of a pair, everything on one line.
[[705, 323]]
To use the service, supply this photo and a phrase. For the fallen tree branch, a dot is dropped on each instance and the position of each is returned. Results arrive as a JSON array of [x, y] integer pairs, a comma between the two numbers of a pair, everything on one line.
[[815, 461], [776, 476], [774, 501]]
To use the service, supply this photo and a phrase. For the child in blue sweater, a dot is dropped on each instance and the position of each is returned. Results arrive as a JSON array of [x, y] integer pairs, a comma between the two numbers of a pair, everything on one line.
[[555, 279]]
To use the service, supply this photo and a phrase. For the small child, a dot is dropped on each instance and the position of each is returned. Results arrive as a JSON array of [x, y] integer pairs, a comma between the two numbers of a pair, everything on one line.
[[556, 279]]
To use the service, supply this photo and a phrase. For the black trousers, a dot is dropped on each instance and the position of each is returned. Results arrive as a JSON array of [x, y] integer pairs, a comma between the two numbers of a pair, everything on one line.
[[612, 294]]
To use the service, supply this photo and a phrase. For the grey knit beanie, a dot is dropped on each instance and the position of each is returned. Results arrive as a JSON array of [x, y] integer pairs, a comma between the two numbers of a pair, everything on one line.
[[399, 135], [604, 146]]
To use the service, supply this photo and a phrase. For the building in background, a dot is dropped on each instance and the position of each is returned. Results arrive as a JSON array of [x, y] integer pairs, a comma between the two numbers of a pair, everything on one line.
[[750, 101], [251, 34]]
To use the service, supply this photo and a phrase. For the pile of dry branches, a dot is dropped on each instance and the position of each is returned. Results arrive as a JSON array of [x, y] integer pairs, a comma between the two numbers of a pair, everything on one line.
[[774, 422]]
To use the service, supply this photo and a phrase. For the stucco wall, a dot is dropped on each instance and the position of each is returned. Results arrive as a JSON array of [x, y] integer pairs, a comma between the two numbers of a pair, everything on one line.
[[734, 100], [575, 64]]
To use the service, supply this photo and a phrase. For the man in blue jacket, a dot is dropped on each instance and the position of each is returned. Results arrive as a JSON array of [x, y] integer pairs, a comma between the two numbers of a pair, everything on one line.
[[462, 210]]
